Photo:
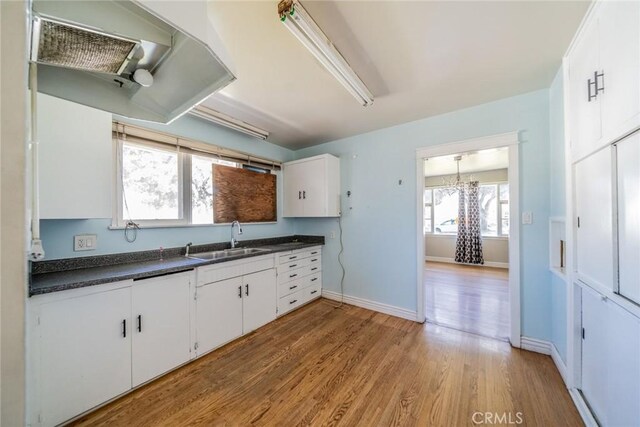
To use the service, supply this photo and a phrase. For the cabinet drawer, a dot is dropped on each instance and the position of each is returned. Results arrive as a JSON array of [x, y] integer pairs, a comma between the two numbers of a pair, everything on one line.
[[300, 254], [287, 288], [296, 299], [228, 270], [293, 265], [287, 276]]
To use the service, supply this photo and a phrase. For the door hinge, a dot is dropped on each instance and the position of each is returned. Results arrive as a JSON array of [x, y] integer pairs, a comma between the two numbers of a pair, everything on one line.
[[195, 296], [583, 333], [38, 320]]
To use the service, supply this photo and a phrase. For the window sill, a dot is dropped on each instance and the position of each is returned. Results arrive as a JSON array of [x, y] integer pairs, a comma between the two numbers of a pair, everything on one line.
[[226, 224]]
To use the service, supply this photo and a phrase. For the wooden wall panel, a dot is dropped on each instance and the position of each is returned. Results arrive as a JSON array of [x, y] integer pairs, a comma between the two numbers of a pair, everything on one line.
[[243, 195]]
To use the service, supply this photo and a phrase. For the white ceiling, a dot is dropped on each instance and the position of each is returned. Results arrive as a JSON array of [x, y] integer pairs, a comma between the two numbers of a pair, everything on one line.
[[418, 58], [479, 161]]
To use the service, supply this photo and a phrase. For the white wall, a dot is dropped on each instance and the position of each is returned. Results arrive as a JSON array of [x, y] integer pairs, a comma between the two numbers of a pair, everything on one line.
[[13, 109]]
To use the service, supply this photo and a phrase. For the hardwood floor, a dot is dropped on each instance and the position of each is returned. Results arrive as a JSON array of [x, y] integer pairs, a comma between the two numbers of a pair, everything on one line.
[[468, 298], [350, 366]]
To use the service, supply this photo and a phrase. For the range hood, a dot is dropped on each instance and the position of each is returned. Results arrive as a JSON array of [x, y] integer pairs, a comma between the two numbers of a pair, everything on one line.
[[149, 60]]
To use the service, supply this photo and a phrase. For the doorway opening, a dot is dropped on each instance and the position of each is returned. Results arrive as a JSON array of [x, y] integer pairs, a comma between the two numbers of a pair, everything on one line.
[[466, 228], [468, 236]]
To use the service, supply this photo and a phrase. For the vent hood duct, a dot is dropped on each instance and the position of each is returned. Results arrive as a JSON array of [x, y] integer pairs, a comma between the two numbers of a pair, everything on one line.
[[88, 51]]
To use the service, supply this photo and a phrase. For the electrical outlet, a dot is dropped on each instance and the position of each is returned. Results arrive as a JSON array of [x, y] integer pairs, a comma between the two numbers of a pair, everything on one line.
[[332, 235], [527, 217], [85, 242]]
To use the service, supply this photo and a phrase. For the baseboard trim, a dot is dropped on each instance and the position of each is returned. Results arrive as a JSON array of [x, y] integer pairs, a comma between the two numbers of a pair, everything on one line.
[[536, 345], [452, 261], [557, 359], [391, 310], [583, 408]]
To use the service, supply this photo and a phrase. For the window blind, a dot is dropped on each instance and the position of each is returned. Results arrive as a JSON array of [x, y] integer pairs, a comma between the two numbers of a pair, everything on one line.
[[137, 134]]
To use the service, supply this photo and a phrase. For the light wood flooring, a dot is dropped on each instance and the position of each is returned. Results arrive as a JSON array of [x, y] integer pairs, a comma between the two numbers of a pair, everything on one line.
[[352, 367], [469, 298]]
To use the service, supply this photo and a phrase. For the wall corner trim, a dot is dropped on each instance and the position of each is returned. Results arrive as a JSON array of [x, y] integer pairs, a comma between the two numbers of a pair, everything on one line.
[[391, 310]]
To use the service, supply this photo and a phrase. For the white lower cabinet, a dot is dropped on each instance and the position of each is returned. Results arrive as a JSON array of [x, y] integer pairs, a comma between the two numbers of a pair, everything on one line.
[[160, 323], [82, 352], [299, 278], [218, 314], [230, 308], [259, 300], [89, 345], [610, 360]]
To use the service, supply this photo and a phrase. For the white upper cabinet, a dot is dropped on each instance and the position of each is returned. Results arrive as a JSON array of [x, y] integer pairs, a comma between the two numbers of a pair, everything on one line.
[[312, 187], [604, 77], [619, 25], [76, 160], [593, 208], [160, 325], [585, 111]]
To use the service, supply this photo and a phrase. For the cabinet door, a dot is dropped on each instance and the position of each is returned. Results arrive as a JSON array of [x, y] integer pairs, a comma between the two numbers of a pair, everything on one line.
[[619, 23], [160, 325], [584, 115], [293, 176], [594, 236], [315, 187], [594, 352], [623, 367], [76, 167], [84, 353], [260, 300], [628, 176], [218, 313]]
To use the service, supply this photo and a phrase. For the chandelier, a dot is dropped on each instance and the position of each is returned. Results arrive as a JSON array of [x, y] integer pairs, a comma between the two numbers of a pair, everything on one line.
[[452, 184]]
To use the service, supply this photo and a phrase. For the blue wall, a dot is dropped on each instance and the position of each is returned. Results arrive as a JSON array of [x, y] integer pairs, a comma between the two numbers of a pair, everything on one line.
[[557, 208], [57, 235], [380, 217]]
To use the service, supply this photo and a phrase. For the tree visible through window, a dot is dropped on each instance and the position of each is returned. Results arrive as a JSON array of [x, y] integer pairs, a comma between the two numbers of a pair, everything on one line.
[[441, 210]]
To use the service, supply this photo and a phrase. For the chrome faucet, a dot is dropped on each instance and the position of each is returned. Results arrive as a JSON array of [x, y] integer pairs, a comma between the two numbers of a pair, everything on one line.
[[188, 247], [234, 242]]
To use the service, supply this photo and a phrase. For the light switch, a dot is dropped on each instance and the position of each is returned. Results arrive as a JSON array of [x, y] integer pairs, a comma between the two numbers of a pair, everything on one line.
[[527, 217], [85, 242]]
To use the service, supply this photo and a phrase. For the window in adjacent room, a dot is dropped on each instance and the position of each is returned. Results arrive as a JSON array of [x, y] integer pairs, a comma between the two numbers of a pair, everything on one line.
[[441, 210]]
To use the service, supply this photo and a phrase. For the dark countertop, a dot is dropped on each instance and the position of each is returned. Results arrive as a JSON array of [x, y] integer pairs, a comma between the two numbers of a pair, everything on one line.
[[72, 273]]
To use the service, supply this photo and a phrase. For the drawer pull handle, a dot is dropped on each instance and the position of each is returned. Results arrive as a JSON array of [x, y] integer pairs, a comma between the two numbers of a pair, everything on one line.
[[293, 257], [314, 268], [293, 265], [293, 302], [139, 322], [314, 279], [292, 287], [313, 253], [314, 260], [247, 289], [313, 292], [124, 328], [239, 291], [291, 276]]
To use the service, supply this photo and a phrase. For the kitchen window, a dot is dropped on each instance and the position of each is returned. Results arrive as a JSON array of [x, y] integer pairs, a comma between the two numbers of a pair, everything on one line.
[[159, 184], [441, 210]]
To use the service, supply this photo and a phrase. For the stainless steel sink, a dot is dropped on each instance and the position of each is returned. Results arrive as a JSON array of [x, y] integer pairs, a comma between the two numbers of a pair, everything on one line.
[[226, 253]]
